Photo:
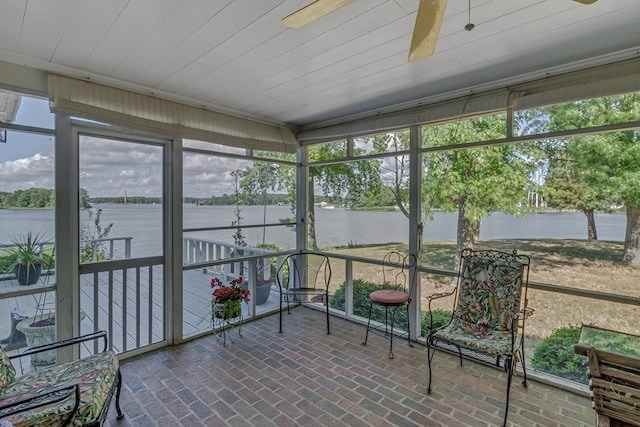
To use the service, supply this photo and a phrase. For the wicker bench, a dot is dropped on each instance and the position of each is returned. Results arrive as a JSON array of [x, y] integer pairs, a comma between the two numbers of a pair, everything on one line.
[[614, 375]]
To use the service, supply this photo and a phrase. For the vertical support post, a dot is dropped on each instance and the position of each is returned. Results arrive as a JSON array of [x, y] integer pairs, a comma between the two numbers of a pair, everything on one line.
[[302, 199], [67, 236], [252, 276], [172, 226], [127, 248], [348, 283], [415, 225], [350, 148]]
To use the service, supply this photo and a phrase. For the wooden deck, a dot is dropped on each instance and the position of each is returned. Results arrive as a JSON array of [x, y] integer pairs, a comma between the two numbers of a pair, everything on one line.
[[130, 305]]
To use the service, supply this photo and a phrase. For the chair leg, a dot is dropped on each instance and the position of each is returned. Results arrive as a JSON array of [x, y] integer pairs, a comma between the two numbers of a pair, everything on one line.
[[366, 337], [431, 351], [393, 316], [118, 387], [524, 366], [509, 367], [280, 313], [326, 298]]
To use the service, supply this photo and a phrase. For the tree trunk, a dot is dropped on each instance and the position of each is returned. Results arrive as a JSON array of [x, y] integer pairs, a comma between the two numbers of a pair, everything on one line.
[[311, 218], [468, 230], [592, 233], [631, 255]]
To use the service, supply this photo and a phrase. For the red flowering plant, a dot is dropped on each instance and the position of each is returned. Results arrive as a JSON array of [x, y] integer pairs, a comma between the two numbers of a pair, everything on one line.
[[226, 300]]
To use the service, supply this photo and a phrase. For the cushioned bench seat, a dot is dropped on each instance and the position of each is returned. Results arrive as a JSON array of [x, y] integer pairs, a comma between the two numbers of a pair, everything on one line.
[[97, 377]]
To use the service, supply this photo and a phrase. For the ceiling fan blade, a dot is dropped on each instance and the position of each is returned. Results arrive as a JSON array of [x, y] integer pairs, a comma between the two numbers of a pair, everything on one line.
[[312, 12], [586, 1], [425, 33]]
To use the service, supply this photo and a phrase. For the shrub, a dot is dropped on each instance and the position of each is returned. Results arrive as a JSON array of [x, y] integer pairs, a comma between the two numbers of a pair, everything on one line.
[[440, 318], [361, 301], [555, 355], [7, 261]]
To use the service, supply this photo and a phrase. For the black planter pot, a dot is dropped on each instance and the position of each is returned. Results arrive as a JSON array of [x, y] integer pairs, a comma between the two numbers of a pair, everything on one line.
[[263, 289], [262, 292], [28, 275]]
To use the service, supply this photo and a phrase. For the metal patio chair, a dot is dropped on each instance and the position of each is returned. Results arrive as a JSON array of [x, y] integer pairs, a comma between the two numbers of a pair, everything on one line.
[[489, 312], [398, 279], [303, 275]]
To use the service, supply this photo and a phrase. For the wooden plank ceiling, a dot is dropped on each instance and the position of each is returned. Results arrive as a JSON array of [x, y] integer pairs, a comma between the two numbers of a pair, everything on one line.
[[236, 56]]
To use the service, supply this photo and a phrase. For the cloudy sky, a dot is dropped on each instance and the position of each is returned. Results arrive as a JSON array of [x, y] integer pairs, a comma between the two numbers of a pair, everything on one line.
[[108, 168], [111, 168]]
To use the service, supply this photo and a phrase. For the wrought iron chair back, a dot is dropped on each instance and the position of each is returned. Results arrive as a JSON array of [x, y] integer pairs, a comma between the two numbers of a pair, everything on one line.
[[489, 311], [302, 275], [398, 279], [396, 269]]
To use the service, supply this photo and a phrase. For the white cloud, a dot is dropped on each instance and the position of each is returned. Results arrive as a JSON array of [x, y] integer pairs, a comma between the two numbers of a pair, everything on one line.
[[35, 171], [109, 167]]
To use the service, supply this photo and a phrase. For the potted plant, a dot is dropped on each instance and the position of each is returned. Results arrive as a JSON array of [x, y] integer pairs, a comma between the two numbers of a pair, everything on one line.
[[41, 329], [264, 281], [263, 289], [29, 257], [226, 302]]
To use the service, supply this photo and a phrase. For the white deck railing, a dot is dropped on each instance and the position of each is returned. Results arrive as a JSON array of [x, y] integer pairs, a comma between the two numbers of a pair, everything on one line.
[[198, 251]]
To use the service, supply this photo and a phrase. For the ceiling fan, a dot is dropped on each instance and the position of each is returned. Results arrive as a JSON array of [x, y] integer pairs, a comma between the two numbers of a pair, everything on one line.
[[425, 32]]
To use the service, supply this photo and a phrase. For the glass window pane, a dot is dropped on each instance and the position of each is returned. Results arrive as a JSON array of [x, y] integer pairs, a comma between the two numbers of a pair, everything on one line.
[[328, 151], [490, 186], [351, 200], [121, 199], [387, 142], [483, 128], [578, 114], [27, 201], [25, 110], [250, 198]]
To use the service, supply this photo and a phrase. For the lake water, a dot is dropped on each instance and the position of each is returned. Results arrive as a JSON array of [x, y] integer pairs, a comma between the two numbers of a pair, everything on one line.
[[334, 227]]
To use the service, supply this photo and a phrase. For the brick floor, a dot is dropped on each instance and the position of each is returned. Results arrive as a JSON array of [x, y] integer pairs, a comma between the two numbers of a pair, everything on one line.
[[304, 377]]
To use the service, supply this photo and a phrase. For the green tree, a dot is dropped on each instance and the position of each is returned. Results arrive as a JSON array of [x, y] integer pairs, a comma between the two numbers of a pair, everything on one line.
[[566, 188], [344, 179], [84, 199], [36, 198], [394, 170], [476, 181], [610, 161]]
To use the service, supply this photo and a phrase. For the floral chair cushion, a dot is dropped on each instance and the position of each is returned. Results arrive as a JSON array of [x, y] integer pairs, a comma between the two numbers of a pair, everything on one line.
[[96, 375], [7, 371], [488, 300]]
